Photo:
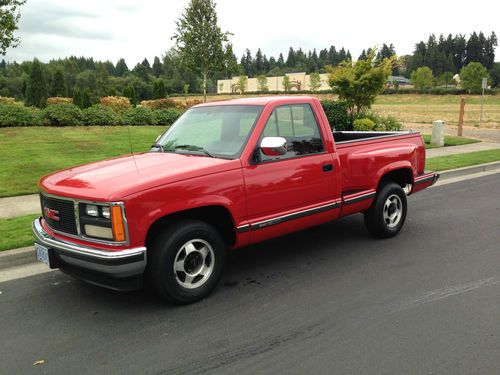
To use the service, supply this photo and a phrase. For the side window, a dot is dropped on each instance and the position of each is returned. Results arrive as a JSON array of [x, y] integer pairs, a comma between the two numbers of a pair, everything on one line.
[[297, 124]]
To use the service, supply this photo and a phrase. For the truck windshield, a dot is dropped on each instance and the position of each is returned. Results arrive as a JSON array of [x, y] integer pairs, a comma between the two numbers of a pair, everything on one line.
[[217, 131]]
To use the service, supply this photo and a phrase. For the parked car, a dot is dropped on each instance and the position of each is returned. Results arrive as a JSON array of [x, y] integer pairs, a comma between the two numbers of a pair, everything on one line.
[[225, 175]]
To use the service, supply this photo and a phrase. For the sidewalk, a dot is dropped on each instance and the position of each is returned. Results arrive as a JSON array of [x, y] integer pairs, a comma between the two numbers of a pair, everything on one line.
[[30, 204]]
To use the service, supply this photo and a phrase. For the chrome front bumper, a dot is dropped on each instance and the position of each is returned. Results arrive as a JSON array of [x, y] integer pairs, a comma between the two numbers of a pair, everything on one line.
[[102, 267]]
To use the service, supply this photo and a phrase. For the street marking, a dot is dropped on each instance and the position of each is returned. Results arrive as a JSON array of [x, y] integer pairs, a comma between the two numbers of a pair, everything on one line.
[[20, 272]]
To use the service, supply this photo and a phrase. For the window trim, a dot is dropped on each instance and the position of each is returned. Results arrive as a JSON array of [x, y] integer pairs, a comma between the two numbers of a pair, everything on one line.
[[281, 158]]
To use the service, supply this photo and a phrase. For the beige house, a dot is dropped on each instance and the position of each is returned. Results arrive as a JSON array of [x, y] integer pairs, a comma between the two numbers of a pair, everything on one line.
[[298, 82]]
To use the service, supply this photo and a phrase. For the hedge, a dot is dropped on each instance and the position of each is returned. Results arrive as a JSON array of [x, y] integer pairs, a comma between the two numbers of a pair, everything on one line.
[[63, 114], [19, 115], [337, 113], [138, 116], [100, 115], [166, 116]]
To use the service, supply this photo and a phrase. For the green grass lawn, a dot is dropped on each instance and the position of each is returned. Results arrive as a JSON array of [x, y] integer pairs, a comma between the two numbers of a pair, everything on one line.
[[16, 232], [443, 163], [449, 140], [27, 153]]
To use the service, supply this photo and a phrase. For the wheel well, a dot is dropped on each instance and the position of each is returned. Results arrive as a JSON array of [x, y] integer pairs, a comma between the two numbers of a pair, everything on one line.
[[402, 177], [217, 216]]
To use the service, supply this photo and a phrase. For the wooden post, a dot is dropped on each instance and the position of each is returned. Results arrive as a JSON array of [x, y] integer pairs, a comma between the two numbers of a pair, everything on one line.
[[461, 117]]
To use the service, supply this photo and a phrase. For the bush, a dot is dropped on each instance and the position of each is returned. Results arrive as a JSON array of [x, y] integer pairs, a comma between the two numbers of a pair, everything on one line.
[[363, 124], [59, 100], [119, 104], [8, 100], [337, 114], [189, 103], [63, 114], [19, 115], [382, 123], [138, 116], [166, 116], [100, 115], [159, 104]]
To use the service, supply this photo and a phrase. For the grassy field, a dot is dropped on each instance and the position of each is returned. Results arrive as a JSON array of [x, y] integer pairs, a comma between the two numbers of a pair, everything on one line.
[[27, 153], [423, 109], [449, 140], [443, 163], [16, 232]]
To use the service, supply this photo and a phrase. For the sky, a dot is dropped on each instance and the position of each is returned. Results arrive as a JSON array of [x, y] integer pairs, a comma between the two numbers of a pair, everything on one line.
[[132, 29]]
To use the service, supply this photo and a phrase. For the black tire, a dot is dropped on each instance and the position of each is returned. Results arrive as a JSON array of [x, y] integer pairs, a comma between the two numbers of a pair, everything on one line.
[[387, 214], [170, 246]]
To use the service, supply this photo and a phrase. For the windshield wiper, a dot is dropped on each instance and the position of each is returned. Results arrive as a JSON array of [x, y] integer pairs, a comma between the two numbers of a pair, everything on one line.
[[157, 145], [194, 148]]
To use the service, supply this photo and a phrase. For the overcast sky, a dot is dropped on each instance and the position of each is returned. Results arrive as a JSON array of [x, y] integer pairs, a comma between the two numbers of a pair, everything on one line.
[[134, 29]]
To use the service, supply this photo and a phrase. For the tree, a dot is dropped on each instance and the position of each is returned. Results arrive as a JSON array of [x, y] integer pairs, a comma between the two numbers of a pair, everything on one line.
[[422, 78], [9, 17], [157, 69], [86, 102], [242, 84], [471, 76], [200, 40], [159, 91], [495, 75], [58, 87], [77, 97], [314, 81], [129, 92], [262, 82], [359, 83], [36, 90], [446, 78], [286, 83], [121, 69]]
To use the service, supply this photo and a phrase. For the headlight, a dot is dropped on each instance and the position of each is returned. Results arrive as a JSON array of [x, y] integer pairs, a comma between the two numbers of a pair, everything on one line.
[[106, 222]]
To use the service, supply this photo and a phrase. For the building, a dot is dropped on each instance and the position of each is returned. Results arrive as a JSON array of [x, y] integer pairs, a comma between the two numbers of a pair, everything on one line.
[[298, 82]]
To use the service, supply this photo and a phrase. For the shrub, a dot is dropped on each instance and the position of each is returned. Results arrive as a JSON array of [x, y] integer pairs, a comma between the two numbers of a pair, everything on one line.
[[100, 115], [167, 116], [59, 100], [189, 103], [382, 123], [19, 115], [159, 104], [337, 114], [138, 116], [119, 104], [363, 124], [63, 114], [8, 100]]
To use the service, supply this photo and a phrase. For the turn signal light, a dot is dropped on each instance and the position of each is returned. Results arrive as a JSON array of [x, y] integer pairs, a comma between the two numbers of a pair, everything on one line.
[[117, 224]]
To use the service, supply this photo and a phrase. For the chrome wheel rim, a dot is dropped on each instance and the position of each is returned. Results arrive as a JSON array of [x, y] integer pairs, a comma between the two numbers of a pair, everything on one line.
[[194, 263], [393, 211]]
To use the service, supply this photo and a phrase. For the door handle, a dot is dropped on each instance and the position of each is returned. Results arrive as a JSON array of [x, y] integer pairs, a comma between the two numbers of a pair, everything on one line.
[[327, 167]]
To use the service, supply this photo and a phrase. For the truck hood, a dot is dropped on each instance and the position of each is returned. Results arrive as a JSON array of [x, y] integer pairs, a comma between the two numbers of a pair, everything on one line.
[[114, 179]]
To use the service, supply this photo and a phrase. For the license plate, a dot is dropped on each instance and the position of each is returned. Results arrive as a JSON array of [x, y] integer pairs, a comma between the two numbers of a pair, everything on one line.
[[42, 254]]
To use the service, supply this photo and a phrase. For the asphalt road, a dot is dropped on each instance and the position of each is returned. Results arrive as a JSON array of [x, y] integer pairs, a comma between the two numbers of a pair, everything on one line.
[[330, 300]]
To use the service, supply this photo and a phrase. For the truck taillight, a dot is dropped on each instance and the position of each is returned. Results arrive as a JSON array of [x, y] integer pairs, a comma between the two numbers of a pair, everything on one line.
[[117, 224]]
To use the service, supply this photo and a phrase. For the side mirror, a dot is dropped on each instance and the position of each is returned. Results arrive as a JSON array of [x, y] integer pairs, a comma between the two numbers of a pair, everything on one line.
[[273, 146]]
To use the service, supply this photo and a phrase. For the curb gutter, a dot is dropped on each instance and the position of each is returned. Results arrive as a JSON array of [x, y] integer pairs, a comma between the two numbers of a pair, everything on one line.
[[26, 255]]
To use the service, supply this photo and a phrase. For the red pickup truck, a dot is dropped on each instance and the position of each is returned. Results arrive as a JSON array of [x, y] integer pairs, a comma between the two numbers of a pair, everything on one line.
[[225, 175]]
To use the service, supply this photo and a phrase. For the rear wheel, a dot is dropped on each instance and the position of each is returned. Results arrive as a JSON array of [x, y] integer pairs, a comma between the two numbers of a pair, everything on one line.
[[186, 261], [387, 215]]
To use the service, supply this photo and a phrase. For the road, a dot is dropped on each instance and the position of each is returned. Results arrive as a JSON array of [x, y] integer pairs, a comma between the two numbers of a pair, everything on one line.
[[330, 300]]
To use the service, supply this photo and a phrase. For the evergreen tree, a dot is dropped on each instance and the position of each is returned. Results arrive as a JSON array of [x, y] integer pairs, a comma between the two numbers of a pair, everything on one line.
[[58, 87], [290, 60], [231, 63], [129, 92], [77, 97], [281, 61], [159, 91], [157, 69], [146, 64], [86, 102], [121, 69], [36, 90]]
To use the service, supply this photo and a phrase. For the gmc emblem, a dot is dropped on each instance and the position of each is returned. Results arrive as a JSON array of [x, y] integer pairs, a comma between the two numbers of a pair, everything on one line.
[[51, 214]]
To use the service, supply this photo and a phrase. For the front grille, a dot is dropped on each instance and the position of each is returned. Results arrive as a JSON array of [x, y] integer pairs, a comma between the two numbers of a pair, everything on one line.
[[64, 210]]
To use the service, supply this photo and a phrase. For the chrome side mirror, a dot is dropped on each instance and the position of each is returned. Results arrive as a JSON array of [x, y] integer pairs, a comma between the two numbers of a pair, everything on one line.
[[273, 146]]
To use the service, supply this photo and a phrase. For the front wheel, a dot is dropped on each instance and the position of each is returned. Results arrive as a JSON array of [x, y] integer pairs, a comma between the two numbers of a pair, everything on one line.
[[186, 261], [387, 214]]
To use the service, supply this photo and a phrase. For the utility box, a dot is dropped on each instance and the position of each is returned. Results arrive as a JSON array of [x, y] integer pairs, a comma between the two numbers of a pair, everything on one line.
[[437, 137]]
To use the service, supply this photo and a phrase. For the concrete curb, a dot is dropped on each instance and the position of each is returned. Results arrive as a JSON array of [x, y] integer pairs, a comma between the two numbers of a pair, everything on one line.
[[469, 170], [26, 255], [17, 257]]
